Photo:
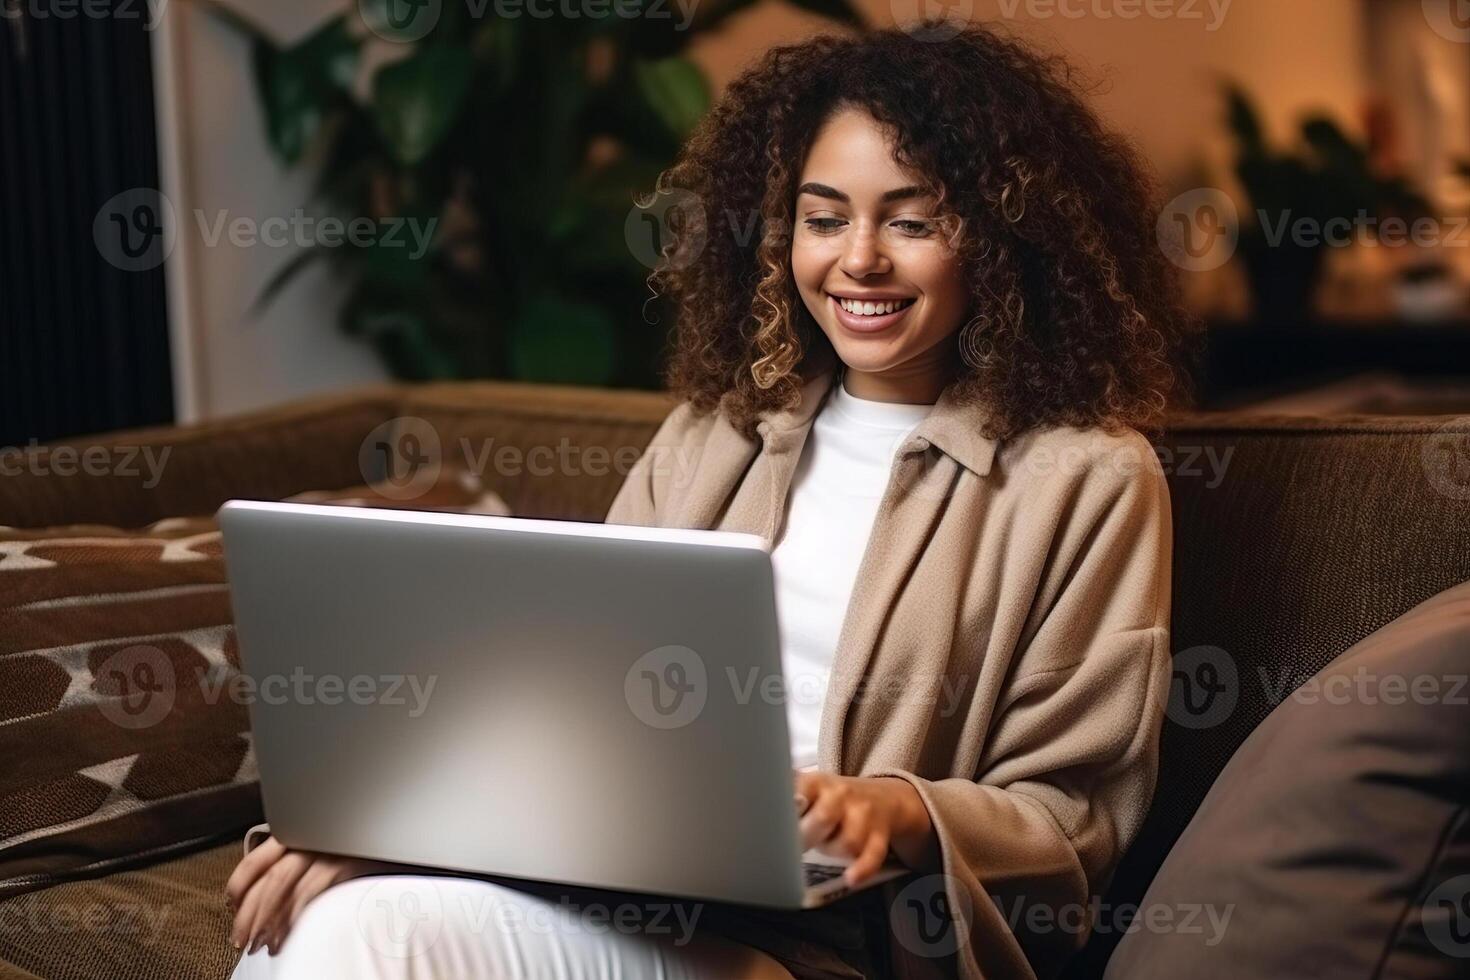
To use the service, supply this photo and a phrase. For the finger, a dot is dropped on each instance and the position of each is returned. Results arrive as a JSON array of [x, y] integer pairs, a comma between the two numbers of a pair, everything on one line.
[[821, 822], [874, 853], [313, 883], [278, 906], [857, 826], [255, 908], [244, 916], [269, 892], [250, 868], [806, 789]]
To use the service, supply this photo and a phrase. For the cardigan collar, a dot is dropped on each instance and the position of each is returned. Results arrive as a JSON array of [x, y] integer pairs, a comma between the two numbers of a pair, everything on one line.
[[953, 427]]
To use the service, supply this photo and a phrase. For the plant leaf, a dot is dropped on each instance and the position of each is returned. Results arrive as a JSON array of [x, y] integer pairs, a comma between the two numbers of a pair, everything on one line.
[[676, 90], [1244, 120], [282, 277], [299, 85], [561, 341], [415, 100]]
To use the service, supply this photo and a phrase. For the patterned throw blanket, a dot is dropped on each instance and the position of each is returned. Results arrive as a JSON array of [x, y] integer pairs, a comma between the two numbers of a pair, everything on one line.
[[119, 742]]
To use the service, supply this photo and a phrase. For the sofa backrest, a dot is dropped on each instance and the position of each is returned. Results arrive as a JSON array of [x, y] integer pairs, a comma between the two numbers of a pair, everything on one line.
[[1293, 540]]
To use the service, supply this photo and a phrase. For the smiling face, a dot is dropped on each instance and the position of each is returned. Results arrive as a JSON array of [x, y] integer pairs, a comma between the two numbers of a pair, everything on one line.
[[872, 265]]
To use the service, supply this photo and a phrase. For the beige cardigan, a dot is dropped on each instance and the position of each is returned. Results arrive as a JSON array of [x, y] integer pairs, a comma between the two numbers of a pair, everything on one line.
[[1010, 625]]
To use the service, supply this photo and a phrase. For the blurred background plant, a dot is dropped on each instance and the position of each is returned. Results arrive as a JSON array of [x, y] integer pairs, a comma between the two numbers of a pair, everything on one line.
[[526, 138], [1327, 178]]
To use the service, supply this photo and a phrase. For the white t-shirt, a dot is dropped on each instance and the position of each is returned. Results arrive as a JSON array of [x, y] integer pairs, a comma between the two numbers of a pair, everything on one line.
[[838, 483]]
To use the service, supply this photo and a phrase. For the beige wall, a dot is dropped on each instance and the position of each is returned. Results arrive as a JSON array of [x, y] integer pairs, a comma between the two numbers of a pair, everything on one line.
[[1156, 79]]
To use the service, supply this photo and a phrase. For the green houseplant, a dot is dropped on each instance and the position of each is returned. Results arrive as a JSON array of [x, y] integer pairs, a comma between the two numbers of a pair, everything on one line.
[[1328, 178], [523, 138]]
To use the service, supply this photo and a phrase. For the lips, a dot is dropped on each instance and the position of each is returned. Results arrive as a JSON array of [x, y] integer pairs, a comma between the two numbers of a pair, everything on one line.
[[858, 323]]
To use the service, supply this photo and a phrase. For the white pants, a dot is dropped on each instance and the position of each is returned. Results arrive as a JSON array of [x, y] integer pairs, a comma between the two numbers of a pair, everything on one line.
[[416, 926]]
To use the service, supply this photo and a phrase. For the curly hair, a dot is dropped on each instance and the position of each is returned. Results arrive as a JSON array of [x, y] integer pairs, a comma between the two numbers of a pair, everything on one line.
[[1075, 316]]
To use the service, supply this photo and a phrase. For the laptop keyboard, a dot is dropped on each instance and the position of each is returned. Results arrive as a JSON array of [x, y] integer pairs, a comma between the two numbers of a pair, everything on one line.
[[816, 874]]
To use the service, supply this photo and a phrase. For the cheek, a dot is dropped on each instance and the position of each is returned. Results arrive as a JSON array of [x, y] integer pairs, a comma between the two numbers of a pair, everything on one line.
[[809, 264], [942, 278]]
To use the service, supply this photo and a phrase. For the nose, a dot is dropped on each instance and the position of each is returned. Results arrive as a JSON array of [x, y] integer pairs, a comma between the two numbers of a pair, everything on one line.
[[864, 255]]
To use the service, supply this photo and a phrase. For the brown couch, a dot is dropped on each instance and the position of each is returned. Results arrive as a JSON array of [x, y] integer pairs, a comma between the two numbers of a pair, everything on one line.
[[1293, 540]]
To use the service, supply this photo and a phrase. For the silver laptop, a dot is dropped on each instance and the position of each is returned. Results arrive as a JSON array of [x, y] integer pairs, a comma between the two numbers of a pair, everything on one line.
[[584, 704]]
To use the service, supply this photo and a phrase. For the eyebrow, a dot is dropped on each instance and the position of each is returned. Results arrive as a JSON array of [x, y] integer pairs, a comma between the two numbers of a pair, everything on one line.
[[897, 194]]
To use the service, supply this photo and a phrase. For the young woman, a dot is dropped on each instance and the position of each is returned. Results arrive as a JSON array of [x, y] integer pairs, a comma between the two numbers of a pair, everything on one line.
[[923, 322]]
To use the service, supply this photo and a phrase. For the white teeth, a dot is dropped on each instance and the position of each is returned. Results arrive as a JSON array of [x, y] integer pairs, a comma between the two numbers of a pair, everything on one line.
[[873, 309]]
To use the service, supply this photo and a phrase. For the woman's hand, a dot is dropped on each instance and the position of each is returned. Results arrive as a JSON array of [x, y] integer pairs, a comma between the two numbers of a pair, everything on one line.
[[270, 887], [860, 817]]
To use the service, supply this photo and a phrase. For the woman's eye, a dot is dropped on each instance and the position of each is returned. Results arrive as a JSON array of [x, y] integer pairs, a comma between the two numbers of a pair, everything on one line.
[[823, 224], [914, 229]]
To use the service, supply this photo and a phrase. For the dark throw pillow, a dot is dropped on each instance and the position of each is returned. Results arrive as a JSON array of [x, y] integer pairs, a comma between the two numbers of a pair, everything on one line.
[[1336, 842]]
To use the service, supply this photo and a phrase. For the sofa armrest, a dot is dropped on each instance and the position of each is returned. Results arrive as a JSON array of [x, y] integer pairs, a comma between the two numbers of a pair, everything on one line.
[[134, 477]]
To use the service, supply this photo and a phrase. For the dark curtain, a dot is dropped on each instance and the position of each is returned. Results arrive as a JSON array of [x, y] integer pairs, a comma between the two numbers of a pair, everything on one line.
[[83, 328]]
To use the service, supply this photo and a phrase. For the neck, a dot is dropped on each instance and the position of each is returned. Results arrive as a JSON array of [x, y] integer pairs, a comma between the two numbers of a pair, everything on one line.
[[909, 384]]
